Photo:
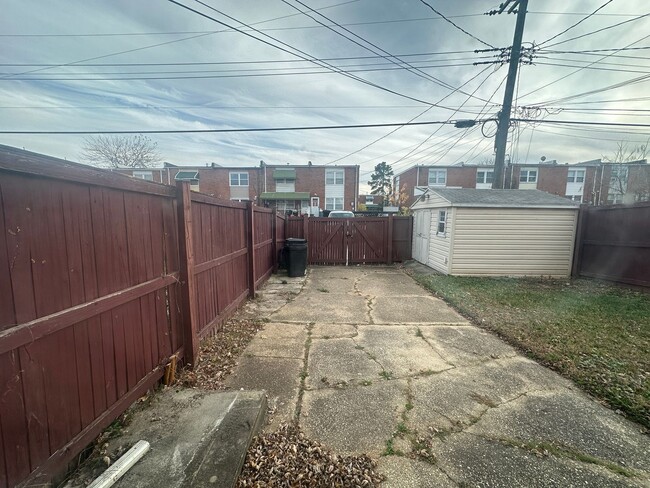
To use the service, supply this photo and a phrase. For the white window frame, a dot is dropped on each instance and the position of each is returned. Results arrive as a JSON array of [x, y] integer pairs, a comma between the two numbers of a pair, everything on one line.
[[334, 203], [484, 176], [437, 177], [238, 175], [441, 226], [531, 175], [576, 176], [143, 175], [334, 177]]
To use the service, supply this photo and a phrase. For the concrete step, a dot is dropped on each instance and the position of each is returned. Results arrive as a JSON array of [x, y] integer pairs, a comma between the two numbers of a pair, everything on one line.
[[197, 439]]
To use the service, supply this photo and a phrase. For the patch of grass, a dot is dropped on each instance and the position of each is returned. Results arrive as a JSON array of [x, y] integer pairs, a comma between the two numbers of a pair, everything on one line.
[[545, 448], [359, 347], [595, 333], [303, 375], [387, 375], [323, 290], [418, 333], [366, 383], [389, 450], [402, 428], [409, 406]]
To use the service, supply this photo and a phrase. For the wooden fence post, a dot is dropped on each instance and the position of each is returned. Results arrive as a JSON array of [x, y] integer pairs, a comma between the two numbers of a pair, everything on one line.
[[390, 239], [251, 249], [274, 243], [305, 227], [186, 273]]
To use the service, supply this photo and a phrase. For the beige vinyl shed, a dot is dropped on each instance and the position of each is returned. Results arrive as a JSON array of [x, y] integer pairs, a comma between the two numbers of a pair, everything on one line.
[[471, 232]]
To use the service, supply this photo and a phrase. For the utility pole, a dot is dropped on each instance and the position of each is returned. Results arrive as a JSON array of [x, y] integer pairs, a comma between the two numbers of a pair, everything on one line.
[[504, 115]]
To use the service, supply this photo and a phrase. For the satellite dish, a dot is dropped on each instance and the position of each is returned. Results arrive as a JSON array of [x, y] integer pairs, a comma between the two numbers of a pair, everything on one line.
[[543, 158]]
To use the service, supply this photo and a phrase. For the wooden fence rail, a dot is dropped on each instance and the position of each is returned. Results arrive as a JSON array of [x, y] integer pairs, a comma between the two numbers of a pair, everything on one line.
[[103, 278]]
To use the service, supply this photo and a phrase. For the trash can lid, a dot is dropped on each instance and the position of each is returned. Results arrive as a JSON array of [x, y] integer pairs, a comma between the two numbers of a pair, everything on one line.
[[295, 240]]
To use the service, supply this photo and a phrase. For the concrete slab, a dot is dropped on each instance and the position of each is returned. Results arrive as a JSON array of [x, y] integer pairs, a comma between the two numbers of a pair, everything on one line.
[[312, 306], [465, 345], [354, 420], [341, 272], [569, 419], [402, 472], [351, 366], [474, 461], [419, 309], [399, 350], [201, 441], [288, 331], [389, 284], [277, 347], [331, 285], [280, 378], [332, 331]]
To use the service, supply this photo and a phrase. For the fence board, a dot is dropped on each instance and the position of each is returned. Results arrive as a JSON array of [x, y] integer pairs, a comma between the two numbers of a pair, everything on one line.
[[613, 243]]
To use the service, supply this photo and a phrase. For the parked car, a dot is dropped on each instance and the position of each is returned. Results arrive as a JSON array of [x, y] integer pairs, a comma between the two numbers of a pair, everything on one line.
[[341, 214]]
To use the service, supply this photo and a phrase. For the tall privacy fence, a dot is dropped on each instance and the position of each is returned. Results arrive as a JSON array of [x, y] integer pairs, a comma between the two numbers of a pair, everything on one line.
[[103, 278], [613, 243]]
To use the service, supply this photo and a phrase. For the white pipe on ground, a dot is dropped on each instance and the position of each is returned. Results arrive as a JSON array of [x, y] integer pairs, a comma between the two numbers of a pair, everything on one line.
[[121, 466]]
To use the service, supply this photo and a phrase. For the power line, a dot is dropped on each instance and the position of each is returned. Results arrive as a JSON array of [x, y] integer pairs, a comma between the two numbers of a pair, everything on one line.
[[298, 53], [217, 131], [457, 26], [596, 68], [580, 69], [577, 23], [261, 61], [581, 122], [389, 56], [599, 30], [414, 118]]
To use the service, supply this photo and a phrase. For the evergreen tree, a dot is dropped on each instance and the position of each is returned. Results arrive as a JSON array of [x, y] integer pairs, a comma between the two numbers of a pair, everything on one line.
[[381, 181]]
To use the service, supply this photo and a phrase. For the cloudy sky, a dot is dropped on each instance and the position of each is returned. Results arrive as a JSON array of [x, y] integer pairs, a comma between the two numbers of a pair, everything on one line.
[[93, 65]]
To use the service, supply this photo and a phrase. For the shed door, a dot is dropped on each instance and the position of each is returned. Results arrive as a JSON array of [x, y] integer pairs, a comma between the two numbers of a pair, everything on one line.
[[421, 233]]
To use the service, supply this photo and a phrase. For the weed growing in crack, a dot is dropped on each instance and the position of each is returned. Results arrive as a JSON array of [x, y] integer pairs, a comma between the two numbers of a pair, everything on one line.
[[366, 383], [323, 290], [387, 375], [409, 406], [402, 428], [359, 347], [418, 333]]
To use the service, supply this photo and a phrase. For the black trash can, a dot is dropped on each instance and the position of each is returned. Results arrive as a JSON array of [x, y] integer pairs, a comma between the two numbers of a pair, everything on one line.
[[296, 252]]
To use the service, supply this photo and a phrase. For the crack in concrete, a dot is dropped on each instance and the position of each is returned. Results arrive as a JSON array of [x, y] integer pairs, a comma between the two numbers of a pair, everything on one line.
[[421, 336], [303, 373], [372, 357]]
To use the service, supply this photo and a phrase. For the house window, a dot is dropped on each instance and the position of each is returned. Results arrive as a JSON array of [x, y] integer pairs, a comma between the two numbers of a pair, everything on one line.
[[238, 179], [575, 198], [334, 203], [485, 176], [576, 176], [442, 223], [284, 185], [437, 177], [143, 175], [334, 177], [528, 176]]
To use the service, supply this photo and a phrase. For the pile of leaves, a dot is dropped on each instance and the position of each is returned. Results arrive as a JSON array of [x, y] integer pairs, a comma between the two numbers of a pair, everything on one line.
[[219, 354], [286, 458]]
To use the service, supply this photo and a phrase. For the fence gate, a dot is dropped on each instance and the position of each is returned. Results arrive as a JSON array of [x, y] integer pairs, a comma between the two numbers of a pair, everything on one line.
[[348, 241]]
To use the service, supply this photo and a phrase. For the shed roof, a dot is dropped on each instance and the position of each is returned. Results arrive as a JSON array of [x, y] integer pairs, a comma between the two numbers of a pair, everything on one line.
[[472, 197]]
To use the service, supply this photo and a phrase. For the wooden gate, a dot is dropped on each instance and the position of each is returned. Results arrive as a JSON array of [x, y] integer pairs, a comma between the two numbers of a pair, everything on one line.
[[349, 241]]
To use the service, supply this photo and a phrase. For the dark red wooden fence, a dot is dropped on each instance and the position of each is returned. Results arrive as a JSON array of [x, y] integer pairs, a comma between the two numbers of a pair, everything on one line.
[[613, 243], [102, 279], [359, 240]]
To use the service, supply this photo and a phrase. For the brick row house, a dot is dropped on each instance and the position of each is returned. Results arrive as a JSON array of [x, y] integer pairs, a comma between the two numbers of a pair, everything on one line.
[[306, 188], [594, 182]]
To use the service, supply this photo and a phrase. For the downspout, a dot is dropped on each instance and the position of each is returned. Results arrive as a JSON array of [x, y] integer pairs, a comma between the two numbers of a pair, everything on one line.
[[356, 188]]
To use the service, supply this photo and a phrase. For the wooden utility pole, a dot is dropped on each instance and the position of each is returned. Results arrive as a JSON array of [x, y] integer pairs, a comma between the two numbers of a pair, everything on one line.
[[504, 115]]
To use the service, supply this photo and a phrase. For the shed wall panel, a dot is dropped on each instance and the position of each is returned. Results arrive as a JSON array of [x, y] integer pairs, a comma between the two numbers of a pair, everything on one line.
[[513, 242], [439, 245]]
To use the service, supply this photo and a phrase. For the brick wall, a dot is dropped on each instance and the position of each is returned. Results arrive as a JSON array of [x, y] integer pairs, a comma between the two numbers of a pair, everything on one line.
[[462, 176]]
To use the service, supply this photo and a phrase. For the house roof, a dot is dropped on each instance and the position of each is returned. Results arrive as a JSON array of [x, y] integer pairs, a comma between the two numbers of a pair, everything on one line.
[[295, 195], [472, 197]]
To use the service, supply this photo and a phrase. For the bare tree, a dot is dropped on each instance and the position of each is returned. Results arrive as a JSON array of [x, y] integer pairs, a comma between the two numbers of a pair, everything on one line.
[[120, 151], [619, 183]]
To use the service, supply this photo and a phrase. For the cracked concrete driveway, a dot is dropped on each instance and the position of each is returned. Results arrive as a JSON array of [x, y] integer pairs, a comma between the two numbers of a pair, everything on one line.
[[366, 361]]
